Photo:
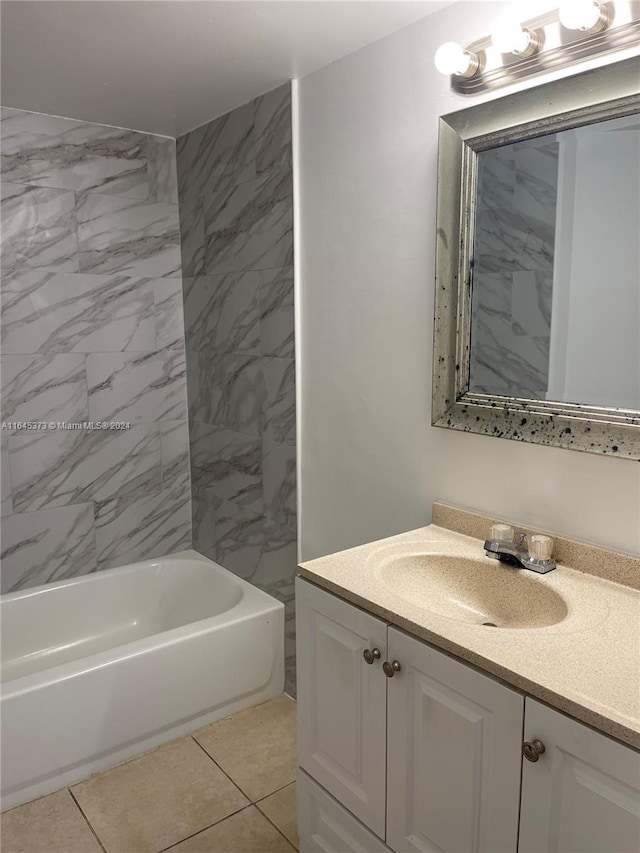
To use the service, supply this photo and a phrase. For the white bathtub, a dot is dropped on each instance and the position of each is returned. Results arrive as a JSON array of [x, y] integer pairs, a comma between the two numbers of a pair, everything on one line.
[[100, 668]]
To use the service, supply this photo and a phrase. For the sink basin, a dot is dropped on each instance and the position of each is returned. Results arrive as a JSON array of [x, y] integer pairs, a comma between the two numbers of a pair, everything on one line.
[[481, 591]]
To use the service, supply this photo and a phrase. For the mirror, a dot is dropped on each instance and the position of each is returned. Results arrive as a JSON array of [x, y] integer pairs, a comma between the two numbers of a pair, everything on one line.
[[537, 320]]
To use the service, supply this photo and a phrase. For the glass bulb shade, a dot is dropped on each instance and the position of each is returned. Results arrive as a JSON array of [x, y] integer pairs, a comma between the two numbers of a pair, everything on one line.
[[450, 58], [509, 37], [580, 14]]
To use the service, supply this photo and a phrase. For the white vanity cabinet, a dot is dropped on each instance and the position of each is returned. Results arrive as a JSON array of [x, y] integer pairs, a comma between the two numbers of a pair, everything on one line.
[[342, 710], [434, 749], [453, 754], [582, 794], [428, 758]]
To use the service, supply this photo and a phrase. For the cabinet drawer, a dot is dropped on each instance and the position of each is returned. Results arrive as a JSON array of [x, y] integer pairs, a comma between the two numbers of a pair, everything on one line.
[[326, 827]]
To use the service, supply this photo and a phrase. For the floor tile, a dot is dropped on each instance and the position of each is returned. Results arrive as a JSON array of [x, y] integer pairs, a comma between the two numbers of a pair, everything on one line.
[[281, 808], [158, 799], [256, 747], [52, 824], [245, 832]]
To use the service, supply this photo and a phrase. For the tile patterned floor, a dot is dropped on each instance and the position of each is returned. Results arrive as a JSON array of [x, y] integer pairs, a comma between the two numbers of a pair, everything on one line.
[[227, 788]]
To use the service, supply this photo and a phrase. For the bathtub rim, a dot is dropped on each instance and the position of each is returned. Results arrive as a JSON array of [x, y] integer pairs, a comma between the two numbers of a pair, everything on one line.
[[189, 554], [253, 601]]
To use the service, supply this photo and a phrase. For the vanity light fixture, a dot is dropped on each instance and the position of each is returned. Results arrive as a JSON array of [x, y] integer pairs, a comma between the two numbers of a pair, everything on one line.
[[586, 15], [578, 30]]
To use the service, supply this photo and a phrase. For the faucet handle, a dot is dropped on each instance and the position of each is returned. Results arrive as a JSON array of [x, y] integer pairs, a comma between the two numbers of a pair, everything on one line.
[[502, 532], [540, 547]]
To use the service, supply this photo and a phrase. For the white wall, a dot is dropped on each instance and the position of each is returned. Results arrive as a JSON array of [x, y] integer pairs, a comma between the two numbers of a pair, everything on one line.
[[595, 345], [371, 464]]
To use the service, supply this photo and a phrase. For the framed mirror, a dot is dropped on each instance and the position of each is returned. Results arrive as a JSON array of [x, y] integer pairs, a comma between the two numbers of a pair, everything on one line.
[[537, 306]]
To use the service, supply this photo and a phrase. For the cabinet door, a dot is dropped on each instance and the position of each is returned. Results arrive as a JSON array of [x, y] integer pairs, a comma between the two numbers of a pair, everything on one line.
[[583, 793], [454, 755], [325, 827], [342, 702]]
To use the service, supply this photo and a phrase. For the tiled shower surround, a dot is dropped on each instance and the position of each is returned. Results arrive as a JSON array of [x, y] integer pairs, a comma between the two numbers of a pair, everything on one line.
[[513, 269], [236, 217], [94, 251], [92, 330]]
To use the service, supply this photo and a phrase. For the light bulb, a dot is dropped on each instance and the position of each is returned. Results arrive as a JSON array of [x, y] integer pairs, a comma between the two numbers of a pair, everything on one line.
[[586, 15], [450, 58], [509, 37]]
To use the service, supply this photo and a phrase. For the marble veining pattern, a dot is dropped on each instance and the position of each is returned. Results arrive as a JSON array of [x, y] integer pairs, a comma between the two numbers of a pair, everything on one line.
[[169, 313], [227, 390], [217, 155], [192, 237], [236, 224], [47, 311], [49, 151], [250, 227], [174, 455], [279, 478], [277, 321], [513, 269], [130, 525], [92, 330], [137, 387], [44, 388], [61, 468], [203, 520], [6, 503], [279, 422], [161, 169], [39, 228], [125, 235], [222, 312], [228, 464], [242, 400], [39, 547], [273, 130]]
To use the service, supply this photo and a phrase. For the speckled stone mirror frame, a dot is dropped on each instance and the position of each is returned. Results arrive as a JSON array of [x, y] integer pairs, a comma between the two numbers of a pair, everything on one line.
[[603, 93]]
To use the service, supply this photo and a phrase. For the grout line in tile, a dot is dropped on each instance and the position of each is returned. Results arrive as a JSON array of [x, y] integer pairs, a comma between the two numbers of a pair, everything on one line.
[[244, 794], [88, 822], [266, 817], [281, 788], [231, 779], [204, 829]]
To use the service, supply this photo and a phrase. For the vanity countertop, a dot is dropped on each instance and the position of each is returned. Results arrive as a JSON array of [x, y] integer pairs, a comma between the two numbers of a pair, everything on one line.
[[587, 664]]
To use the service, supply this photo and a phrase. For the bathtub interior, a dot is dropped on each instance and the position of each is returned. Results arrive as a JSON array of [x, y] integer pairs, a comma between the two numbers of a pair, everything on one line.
[[69, 620]]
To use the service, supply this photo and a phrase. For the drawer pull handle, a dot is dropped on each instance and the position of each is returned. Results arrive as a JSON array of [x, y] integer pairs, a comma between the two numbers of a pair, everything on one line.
[[371, 655], [390, 669], [532, 750]]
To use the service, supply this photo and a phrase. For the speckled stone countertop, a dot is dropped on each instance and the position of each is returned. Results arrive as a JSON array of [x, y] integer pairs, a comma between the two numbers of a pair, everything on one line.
[[587, 664]]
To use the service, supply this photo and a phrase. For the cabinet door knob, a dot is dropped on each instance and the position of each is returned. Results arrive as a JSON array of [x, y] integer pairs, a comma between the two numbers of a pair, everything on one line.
[[371, 654], [532, 750], [390, 669]]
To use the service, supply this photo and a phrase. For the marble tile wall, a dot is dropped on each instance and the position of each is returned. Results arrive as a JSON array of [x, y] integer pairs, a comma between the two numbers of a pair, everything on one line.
[[236, 224], [513, 269], [92, 329]]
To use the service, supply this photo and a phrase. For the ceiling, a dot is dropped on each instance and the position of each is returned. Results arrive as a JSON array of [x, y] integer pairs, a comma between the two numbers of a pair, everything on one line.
[[167, 66]]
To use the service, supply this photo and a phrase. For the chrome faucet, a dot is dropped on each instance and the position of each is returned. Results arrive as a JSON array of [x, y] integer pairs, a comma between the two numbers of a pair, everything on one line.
[[518, 553]]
